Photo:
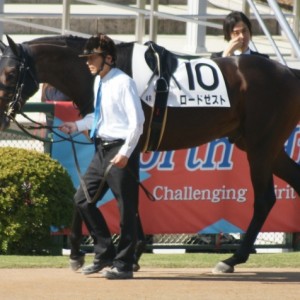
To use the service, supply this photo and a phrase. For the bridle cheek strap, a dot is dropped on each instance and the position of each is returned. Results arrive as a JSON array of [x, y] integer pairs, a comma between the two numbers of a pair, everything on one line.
[[27, 83]]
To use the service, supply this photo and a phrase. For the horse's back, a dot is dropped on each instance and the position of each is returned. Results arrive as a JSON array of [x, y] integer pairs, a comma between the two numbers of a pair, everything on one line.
[[261, 79], [268, 97], [264, 100]]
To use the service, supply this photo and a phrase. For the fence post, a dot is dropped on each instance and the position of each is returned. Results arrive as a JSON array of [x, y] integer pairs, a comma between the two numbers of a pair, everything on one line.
[[153, 21], [196, 33], [296, 18], [246, 8], [65, 23], [1, 23], [296, 241], [140, 22]]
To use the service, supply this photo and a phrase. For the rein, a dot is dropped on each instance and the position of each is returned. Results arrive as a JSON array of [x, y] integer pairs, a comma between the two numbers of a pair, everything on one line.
[[70, 139], [26, 129], [101, 186]]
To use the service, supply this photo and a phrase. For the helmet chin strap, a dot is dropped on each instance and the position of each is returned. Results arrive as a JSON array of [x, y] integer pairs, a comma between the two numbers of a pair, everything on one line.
[[104, 63]]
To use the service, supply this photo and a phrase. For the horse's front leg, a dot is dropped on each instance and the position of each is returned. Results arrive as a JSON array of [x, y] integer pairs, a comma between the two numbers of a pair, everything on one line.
[[264, 200]]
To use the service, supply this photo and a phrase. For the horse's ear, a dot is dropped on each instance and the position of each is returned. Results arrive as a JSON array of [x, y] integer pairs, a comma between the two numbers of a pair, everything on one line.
[[14, 47], [2, 47]]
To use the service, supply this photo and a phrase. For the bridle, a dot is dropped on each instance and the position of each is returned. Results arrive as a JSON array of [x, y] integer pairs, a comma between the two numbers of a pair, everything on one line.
[[26, 85], [26, 77]]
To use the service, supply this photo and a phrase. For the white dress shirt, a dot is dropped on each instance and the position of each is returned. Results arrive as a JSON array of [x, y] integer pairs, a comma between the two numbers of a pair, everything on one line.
[[122, 116], [238, 52]]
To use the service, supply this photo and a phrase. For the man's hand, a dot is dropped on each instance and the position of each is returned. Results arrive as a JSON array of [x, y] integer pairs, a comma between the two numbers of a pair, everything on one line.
[[233, 45], [68, 127], [120, 161]]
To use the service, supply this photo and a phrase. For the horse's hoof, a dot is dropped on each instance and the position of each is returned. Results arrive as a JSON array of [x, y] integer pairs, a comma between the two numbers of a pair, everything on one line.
[[135, 267], [221, 268]]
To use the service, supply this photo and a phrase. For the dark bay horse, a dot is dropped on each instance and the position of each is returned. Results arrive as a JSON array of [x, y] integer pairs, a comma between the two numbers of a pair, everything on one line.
[[264, 109]]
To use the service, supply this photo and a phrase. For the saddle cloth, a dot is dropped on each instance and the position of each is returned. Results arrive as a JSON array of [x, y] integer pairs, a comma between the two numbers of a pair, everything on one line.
[[194, 83]]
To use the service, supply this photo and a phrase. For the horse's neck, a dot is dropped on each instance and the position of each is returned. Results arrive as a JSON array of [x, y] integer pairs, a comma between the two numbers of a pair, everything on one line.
[[54, 64]]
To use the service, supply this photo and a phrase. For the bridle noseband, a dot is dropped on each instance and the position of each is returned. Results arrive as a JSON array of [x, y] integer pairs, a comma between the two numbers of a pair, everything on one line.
[[26, 78]]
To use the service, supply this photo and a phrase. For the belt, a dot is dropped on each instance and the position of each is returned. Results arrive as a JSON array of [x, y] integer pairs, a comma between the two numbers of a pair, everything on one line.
[[109, 144]]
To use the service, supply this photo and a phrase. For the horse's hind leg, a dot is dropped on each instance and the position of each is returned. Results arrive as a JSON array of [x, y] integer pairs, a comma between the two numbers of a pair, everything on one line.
[[264, 199], [283, 167], [286, 169]]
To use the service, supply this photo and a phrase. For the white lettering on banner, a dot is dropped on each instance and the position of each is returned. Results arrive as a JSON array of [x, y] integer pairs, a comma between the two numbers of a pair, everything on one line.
[[189, 193], [195, 83], [287, 193]]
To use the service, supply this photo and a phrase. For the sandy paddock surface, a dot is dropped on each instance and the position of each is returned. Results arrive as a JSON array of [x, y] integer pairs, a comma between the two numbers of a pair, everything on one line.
[[150, 283]]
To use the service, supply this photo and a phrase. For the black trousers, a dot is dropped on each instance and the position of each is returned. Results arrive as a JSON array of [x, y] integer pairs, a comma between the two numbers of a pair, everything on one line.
[[125, 189]]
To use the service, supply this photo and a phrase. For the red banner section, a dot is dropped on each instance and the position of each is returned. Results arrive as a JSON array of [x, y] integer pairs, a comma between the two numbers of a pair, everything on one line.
[[199, 190]]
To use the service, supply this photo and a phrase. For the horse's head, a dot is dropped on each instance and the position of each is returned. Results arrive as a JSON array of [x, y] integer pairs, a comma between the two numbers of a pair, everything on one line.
[[17, 80]]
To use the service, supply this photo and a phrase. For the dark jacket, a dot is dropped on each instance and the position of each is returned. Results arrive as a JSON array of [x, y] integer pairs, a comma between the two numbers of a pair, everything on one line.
[[219, 54]]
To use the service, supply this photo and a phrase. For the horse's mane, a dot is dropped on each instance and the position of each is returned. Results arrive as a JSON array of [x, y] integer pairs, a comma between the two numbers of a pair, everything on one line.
[[70, 41], [296, 72], [77, 43]]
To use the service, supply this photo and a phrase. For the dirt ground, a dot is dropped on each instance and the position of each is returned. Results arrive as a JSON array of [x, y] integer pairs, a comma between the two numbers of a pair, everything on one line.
[[148, 283]]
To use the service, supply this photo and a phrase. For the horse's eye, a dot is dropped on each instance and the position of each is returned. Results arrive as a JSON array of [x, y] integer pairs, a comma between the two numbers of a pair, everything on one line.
[[11, 77]]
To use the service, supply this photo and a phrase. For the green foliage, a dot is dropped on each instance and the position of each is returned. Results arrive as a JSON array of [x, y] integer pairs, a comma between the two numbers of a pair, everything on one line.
[[36, 192]]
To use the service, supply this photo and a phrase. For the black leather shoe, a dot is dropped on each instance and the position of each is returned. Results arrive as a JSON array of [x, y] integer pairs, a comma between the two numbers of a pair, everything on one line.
[[96, 267], [115, 273]]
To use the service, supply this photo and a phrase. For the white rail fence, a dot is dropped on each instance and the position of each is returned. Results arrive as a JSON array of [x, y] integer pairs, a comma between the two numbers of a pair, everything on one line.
[[196, 19]]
